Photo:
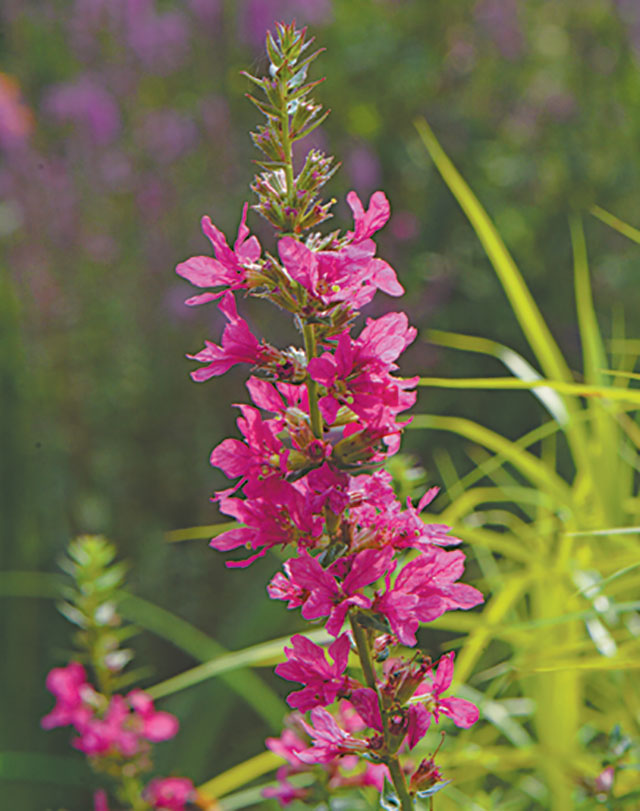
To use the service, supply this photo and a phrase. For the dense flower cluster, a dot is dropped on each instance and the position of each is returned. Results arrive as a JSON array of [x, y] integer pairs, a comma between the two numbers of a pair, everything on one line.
[[307, 470], [115, 731]]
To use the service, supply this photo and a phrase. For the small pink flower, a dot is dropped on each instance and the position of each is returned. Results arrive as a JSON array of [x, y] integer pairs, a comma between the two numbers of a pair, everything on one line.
[[239, 345], [329, 740], [287, 747], [170, 793], [306, 663], [228, 268], [68, 684], [463, 713], [285, 793], [372, 220], [424, 590], [156, 726]]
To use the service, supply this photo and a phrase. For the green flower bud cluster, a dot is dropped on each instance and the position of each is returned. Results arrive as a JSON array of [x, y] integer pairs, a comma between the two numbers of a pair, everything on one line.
[[290, 203]]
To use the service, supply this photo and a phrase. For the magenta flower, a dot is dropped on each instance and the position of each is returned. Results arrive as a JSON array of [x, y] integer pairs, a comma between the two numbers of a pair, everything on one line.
[[323, 596], [329, 740], [69, 686], [287, 747], [366, 702], [170, 793], [430, 704], [228, 269], [279, 518], [350, 274], [260, 455], [156, 725], [424, 589], [357, 373], [370, 221], [307, 663], [239, 345]]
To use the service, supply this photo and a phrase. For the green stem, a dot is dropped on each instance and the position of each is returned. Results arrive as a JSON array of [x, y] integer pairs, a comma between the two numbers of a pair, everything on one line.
[[364, 652], [361, 638], [312, 386], [400, 784]]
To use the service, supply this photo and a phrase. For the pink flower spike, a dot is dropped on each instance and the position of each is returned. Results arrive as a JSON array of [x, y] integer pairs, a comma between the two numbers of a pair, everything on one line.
[[170, 793]]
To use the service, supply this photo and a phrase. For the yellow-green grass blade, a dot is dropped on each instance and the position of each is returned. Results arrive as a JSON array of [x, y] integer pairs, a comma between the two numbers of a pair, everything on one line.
[[265, 653], [522, 302], [617, 373], [495, 616], [593, 352], [630, 397], [241, 774], [199, 533], [515, 363], [528, 464], [496, 461], [616, 223], [604, 458]]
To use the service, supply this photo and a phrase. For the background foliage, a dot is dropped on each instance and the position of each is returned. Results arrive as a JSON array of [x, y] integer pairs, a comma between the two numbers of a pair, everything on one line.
[[137, 127]]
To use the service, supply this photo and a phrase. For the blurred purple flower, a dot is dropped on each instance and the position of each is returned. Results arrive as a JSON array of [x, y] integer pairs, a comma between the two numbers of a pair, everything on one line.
[[160, 41], [363, 167], [258, 16], [499, 18], [87, 104], [167, 134]]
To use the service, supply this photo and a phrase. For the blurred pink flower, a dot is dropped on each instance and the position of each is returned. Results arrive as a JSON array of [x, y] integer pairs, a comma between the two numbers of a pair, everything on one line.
[[171, 793]]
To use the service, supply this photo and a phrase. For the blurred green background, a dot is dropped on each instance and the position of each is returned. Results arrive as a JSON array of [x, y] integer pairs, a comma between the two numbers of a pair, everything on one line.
[[122, 122]]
